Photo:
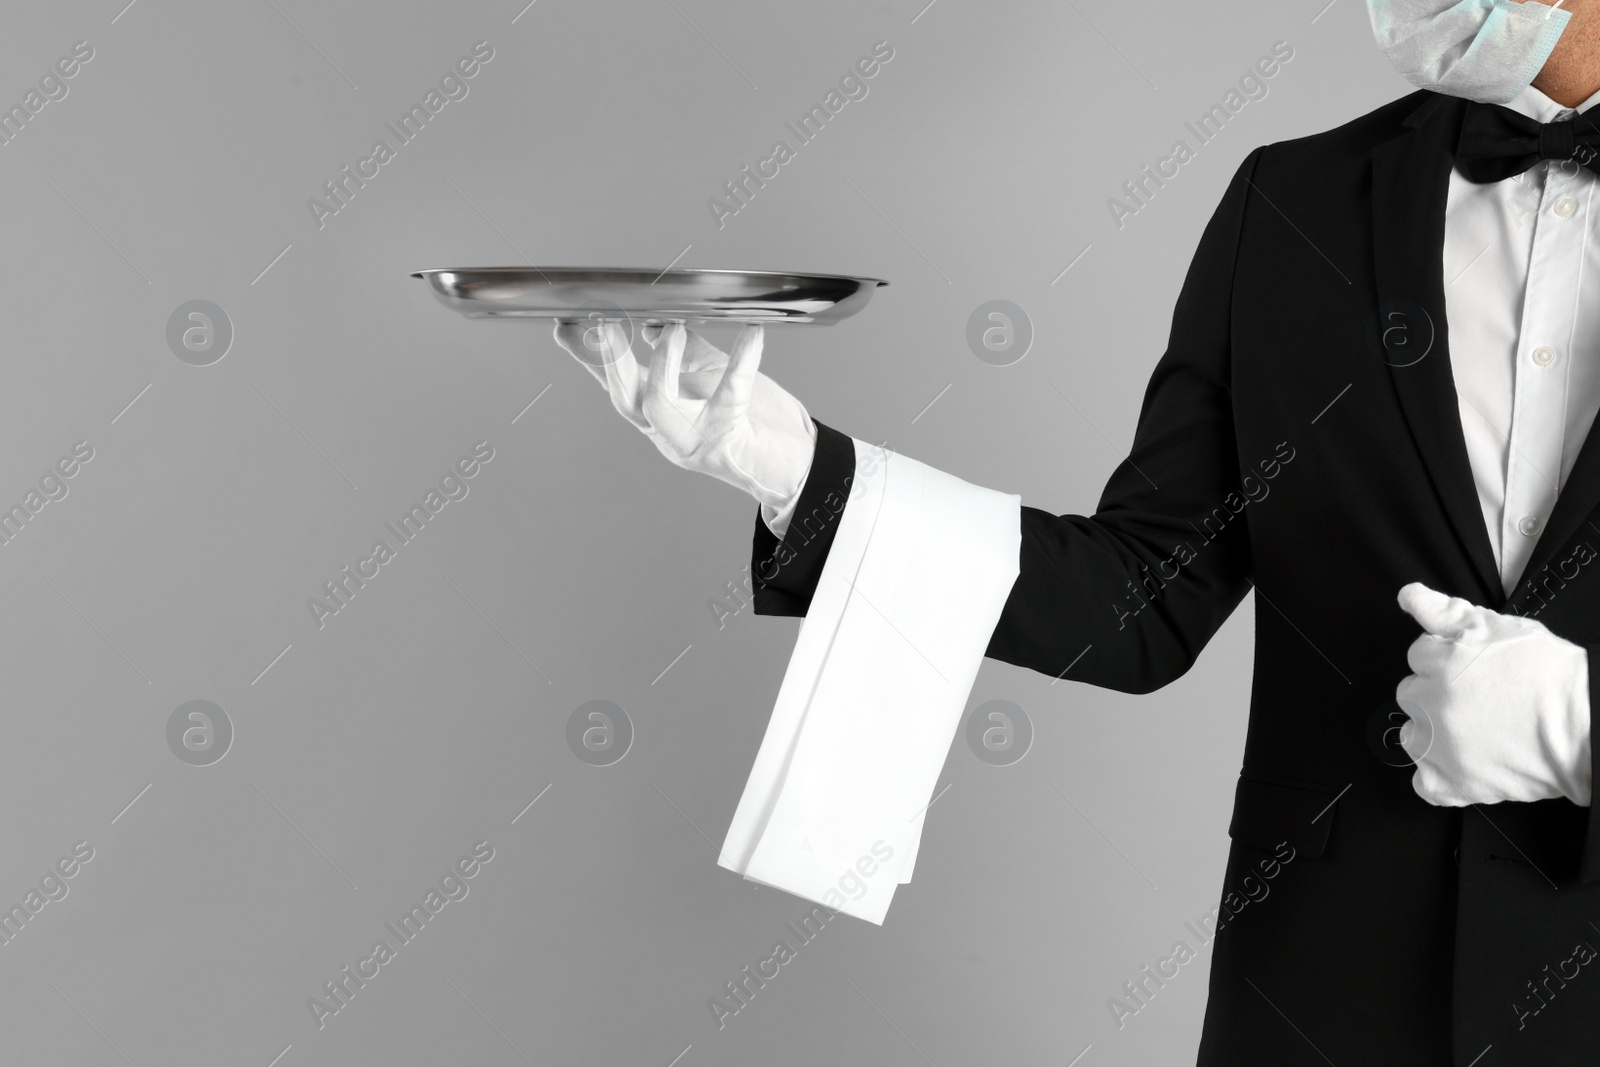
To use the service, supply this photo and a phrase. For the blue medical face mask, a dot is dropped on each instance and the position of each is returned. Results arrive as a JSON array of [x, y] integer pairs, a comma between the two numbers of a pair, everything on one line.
[[1484, 50]]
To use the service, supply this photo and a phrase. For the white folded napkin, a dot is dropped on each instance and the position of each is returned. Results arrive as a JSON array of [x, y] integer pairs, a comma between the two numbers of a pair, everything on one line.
[[912, 588]]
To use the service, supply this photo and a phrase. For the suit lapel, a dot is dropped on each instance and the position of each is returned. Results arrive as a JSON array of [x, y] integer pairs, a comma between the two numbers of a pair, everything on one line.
[[1411, 175], [1575, 504]]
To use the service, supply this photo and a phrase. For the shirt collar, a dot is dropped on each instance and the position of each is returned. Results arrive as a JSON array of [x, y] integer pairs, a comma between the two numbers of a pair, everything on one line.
[[1539, 107]]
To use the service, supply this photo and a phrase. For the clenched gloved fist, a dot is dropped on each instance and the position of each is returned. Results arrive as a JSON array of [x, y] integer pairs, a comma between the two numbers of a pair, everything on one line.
[[1507, 702], [704, 409]]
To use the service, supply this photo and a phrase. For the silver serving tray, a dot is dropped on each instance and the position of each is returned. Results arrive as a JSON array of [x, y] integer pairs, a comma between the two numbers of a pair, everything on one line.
[[613, 293]]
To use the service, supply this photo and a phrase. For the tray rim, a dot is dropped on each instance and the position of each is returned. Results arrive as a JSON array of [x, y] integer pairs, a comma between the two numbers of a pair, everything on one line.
[[427, 273]]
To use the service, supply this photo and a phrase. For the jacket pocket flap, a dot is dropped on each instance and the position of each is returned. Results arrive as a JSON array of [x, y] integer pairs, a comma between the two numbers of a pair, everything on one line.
[[1268, 811]]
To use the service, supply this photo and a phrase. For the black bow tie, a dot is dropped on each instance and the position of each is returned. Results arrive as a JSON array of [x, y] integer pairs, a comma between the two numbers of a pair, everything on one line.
[[1498, 143]]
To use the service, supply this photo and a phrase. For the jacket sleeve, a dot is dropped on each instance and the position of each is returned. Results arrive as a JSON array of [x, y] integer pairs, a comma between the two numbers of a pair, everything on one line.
[[1589, 864], [1125, 598], [785, 573]]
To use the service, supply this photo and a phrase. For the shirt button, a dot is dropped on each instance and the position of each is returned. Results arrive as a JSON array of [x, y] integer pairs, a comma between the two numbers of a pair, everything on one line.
[[1544, 355], [1529, 526], [1566, 207]]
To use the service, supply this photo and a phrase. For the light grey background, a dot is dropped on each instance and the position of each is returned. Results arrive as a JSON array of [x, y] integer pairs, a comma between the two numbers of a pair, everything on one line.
[[428, 713]]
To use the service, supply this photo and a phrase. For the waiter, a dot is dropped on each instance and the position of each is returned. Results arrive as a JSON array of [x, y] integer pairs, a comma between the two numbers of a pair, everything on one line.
[[1397, 323]]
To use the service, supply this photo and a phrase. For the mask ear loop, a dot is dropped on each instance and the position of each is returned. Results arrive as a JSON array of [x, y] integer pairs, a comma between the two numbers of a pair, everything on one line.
[[1552, 10]]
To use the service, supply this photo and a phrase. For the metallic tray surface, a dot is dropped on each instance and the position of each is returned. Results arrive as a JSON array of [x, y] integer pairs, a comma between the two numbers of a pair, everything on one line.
[[648, 295]]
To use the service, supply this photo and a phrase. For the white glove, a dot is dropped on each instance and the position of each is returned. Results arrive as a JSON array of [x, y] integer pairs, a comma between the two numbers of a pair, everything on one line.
[[703, 409], [1505, 706]]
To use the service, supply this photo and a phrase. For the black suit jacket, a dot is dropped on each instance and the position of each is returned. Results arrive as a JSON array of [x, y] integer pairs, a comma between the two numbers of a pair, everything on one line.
[[1301, 437]]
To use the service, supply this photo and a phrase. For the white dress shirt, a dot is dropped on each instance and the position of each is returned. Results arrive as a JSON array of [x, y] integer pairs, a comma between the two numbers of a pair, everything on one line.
[[1519, 256]]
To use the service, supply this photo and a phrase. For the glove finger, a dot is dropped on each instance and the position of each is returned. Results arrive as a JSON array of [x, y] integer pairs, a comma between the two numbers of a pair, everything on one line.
[[570, 336], [700, 354], [1441, 615], [622, 375], [697, 384], [1434, 788], [704, 365], [661, 377], [1483, 626], [1416, 733], [651, 332], [1430, 655], [1448, 784], [733, 392]]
